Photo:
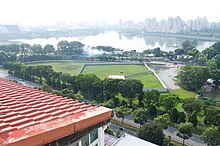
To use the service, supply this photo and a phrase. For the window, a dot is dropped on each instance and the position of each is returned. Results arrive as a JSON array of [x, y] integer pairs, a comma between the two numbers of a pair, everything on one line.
[[93, 135], [72, 143], [85, 140]]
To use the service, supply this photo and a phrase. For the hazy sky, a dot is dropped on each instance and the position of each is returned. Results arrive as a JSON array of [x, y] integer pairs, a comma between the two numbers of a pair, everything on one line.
[[35, 12]]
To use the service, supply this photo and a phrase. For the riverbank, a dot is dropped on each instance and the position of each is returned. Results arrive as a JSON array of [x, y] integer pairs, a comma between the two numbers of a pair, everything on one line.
[[184, 36], [159, 34]]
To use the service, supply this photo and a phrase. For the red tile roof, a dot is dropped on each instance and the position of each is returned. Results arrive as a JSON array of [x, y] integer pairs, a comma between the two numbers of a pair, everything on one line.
[[32, 117]]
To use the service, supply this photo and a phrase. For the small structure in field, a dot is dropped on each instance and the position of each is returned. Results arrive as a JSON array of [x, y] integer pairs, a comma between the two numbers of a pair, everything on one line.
[[208, 87], [120, 77]]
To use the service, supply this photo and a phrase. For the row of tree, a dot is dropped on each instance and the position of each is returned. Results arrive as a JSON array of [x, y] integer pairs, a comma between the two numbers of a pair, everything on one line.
[[63, 47], [210, 56], [90, 86], [75, 50], [184, 121]]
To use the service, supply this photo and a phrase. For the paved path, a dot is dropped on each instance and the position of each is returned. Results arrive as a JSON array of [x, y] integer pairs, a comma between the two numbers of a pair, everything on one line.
[[137, 74], [195, 140]]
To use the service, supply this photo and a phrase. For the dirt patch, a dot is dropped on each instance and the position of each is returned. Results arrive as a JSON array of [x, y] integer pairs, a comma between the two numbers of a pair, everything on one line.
[[167, 75]]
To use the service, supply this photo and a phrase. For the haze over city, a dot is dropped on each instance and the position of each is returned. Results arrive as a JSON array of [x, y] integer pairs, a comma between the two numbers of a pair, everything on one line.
[[41, 12]]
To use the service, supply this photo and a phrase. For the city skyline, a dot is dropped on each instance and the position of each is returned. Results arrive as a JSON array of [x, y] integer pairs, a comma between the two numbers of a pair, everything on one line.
[[31, 12], [171, 25]]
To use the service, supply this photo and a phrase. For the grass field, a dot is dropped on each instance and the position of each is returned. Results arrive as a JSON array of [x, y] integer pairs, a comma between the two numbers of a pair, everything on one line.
[[149, 80], [73, 68], [70, 67], [183, 94], [103, 71]]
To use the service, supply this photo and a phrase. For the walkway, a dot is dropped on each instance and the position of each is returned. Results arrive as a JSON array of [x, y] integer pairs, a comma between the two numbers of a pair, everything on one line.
[[4, 74]]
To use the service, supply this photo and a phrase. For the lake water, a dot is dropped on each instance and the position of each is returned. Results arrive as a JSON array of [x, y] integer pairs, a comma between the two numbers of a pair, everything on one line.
[[120, 41]]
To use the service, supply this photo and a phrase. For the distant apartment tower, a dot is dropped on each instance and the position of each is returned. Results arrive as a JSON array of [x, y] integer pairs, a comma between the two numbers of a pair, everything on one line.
[[162, 26], [121, 24], [151, 25], [129, 25], [200, 23], [189, 25]]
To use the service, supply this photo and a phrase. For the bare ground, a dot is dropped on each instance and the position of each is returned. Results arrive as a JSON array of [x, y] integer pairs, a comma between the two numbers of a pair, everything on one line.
[[167, 74]]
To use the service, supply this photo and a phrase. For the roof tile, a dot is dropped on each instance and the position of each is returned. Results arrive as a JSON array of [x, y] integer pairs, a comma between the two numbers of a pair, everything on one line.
[[26, 114]]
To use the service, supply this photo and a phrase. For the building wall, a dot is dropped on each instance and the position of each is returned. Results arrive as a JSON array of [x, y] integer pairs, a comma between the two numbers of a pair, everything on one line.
[[94, 138]]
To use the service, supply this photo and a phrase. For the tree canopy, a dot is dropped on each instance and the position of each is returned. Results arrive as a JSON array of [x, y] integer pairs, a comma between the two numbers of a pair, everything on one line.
[[193, 77], [152, 133], [211, 136]]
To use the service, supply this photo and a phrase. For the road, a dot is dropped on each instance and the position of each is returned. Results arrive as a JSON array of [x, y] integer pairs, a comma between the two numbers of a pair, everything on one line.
[[116, 128], [4, 74], [195, 140]]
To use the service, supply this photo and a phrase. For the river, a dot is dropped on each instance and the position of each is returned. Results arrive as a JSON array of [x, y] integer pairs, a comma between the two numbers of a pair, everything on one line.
[[117, 40]]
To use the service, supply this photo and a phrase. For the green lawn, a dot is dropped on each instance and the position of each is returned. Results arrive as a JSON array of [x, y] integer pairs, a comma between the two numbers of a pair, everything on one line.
[[149, 80], [71, 67], [183, 94], [103, 71]]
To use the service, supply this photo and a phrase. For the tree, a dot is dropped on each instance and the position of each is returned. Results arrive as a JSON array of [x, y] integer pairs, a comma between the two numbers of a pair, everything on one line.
[[25, 48], [71, 83], [217, 61], [157, 52], [194, 53], [37, 49], [169, 102], [70, 48], [121, 112], [179, 51], [76, 47], [211, 136], [29, 72], [152, 133], [174, 115], [63, 46], [48, 49], [182, 117], [152, 110], [192, 105], [163, 120], [216, 46], [46, 88], [96, 90], [185, 131], [151, 97], [86, 83], [130, 89], [3, 57], [110, 88], [193, 77], [140, 116], [188, 45], [212, 116], [214, 63], [193, 118], [209, 53]]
